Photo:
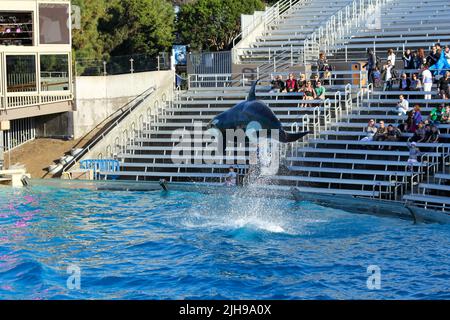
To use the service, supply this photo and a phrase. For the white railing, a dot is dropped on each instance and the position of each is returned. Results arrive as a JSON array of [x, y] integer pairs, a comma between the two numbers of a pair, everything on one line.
[[358, 78], [261, 23], [131, 120], [359, 14], [24, 99]]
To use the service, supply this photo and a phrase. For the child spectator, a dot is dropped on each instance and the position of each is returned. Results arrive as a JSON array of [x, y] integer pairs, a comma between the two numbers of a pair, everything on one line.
[[376, 75], [414, 154]]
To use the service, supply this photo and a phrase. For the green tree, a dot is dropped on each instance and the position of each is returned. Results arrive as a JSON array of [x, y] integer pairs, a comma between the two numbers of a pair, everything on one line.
[[213, 24], [86, 41], [138, 26]]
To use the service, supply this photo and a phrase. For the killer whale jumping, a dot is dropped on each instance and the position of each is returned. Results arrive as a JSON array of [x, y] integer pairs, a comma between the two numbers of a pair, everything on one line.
[[252, 110]]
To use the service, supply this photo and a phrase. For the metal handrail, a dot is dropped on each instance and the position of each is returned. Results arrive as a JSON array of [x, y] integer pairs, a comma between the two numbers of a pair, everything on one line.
[[339, 26], [270, 15], [123, 114]]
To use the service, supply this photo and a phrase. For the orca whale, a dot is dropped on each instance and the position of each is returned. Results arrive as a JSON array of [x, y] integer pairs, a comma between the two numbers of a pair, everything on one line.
[[252, 110]]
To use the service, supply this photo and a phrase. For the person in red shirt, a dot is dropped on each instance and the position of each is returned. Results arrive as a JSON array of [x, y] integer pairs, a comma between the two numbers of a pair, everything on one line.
[[291, 84]]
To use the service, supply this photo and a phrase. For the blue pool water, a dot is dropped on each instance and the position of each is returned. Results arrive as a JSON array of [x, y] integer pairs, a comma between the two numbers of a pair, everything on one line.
[[189, 245]]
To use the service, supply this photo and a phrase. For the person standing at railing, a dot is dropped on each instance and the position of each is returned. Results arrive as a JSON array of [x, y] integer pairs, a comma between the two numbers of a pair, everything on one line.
[[391, 56], [370, 64], [427, 79]]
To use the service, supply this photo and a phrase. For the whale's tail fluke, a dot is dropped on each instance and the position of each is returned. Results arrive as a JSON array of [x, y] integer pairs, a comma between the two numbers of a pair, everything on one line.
[[286, 137], [252, 93]]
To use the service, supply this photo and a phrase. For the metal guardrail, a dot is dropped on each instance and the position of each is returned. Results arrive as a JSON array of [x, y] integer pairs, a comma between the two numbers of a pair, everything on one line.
[[119, 116], [340, 25], [270, 17], [246, 79]]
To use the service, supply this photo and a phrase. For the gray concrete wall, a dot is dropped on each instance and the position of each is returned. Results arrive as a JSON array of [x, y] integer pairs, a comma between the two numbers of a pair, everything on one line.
[[96, 98]]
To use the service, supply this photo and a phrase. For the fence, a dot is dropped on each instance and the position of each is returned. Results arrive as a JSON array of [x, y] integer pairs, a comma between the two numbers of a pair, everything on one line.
[[122, 64], [21, 131], [209, 62]]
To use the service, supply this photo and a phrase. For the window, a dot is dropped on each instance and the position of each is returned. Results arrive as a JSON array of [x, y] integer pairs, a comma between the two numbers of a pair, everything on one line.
[[54, 72], [21, 73], [16, 28], [54, 23]]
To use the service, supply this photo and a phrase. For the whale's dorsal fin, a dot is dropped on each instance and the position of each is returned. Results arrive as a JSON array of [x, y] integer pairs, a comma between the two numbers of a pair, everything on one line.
[[252, 93]]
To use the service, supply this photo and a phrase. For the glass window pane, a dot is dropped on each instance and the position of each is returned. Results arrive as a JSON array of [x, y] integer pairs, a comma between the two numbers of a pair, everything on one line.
[[54, 23], [54, 72], [21, 73], [16, 28]]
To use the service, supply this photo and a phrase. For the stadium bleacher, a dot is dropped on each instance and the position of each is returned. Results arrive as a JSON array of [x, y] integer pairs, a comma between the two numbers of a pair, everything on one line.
[[333, 160]]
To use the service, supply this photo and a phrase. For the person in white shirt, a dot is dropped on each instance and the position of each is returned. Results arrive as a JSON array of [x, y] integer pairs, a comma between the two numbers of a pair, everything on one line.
[[387, 75], [427, 80], [391, 56], [402, 106]]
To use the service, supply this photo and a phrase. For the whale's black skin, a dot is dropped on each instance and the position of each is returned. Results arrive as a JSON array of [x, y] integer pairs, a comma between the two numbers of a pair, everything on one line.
[[239, 116]]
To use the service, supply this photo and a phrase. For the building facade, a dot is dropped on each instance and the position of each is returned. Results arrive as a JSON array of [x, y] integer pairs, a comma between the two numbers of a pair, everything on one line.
[[36, 90]]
